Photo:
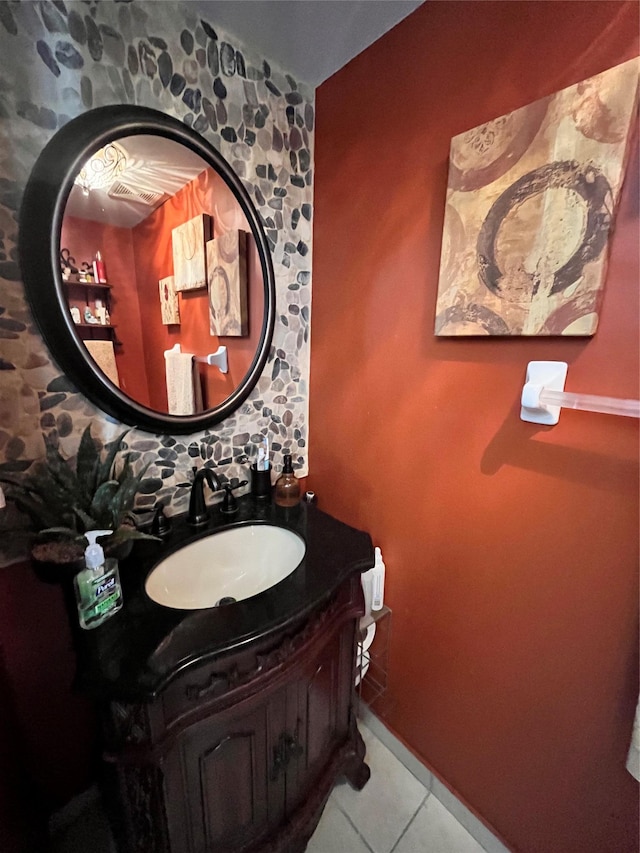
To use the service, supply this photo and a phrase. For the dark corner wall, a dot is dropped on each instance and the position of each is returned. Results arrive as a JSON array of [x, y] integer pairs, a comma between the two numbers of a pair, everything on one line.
[[511, 549]]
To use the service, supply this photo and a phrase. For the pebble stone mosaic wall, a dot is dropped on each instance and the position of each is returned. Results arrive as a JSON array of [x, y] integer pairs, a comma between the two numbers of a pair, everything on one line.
[[59, 59]]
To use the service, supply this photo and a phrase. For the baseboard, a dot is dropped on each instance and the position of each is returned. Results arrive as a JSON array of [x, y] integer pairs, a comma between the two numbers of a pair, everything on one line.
[[474, 826]]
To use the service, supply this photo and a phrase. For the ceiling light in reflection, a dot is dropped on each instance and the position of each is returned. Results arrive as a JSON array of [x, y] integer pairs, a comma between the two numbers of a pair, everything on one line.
[[102, 168]]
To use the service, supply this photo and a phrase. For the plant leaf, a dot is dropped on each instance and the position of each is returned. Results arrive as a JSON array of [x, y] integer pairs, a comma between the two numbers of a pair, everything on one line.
[[88, 522], [124, 533], [37, 483], [87, 464], [101, 505], [52, 492], [54, 495], [104, 469], [125, 496], [63, 532], [40, 514], [13, 479], [66, 478]]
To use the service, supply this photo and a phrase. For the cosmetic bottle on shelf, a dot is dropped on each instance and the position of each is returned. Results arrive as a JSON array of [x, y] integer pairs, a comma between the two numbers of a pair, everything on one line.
[[99, 270]]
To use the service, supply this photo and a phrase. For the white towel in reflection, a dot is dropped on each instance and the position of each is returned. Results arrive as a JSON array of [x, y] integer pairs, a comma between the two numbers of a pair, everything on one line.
[[184, 394], [103, 353]]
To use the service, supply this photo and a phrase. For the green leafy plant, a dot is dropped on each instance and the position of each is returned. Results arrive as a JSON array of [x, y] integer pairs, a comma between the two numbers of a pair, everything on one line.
[[63, 503]]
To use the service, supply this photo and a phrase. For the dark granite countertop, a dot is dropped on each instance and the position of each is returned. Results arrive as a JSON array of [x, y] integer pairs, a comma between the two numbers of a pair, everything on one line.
[[137, 652]]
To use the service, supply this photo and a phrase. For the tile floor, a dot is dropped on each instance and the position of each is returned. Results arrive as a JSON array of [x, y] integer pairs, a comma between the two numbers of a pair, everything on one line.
[[394, 813]]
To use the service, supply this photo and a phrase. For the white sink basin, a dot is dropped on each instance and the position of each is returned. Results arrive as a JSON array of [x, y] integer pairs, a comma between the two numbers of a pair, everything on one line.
[[235, 563]]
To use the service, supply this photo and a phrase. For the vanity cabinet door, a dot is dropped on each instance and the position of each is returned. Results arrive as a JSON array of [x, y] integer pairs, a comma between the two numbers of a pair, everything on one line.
[[318, 714], [230, 794]]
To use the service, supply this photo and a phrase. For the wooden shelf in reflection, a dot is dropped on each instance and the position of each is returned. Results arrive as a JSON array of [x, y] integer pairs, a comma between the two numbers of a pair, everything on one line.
[[87, 284], [106, 332], [87, 294], [97, 326]]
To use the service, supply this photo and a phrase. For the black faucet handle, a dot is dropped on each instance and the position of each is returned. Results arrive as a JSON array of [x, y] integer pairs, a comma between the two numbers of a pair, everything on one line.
[[229, 503], [160, 526]]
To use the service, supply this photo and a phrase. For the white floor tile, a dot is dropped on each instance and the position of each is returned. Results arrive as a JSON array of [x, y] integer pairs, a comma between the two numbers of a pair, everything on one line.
[[334, 834], [386, 804], [467, 819], [435, 830]]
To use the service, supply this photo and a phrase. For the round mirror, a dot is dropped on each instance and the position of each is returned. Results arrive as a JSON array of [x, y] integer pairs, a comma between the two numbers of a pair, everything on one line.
[[147, 269]]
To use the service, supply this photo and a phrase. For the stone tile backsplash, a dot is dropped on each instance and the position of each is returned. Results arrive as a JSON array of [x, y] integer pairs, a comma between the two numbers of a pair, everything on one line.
[[60, 59]]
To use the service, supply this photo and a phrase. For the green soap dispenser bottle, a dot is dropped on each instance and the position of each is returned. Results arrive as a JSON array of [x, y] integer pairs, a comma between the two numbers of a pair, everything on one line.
[[287, 491], [97, 587]]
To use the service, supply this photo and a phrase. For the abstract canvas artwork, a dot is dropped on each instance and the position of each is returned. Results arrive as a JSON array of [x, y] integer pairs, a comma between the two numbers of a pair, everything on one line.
[[189, 259], [169, 301], [227, 272], [530, 204]]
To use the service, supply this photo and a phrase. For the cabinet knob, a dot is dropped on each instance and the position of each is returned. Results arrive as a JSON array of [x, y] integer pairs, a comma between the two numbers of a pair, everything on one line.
[[294, 749], [280, 757], [286, 749]]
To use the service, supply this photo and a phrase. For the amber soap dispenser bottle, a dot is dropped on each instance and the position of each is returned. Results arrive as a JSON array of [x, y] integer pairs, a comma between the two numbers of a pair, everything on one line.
[[287, 491]]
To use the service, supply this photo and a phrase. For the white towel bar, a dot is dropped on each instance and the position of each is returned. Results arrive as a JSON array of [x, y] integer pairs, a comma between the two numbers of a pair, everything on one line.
[[543, 396], [217, 359]]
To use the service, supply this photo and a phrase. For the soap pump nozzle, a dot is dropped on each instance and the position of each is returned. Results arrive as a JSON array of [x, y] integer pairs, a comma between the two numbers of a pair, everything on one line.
[[94, 553]]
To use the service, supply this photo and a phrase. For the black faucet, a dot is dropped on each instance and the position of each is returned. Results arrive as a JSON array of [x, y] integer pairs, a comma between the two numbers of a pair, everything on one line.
[[197, 507]]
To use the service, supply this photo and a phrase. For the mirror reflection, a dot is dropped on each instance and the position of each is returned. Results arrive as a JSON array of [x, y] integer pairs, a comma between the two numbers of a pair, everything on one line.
[[160, 270]]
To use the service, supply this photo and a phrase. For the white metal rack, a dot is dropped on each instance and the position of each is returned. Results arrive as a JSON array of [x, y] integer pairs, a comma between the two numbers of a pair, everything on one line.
[[373, 661]]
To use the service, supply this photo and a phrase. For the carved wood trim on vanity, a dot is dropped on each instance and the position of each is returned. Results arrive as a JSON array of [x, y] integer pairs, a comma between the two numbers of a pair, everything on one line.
[[129, 723], [145, 816], [219, 684]]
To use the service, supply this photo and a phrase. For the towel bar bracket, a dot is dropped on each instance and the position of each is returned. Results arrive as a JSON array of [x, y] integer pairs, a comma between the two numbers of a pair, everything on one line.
[[218, 359], [541, 375]]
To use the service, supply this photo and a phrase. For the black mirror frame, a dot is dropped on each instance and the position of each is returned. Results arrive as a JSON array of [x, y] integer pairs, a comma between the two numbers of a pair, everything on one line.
[[40, 225]]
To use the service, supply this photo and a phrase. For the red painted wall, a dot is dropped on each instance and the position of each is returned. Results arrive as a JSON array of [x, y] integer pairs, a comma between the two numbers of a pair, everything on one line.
[[511, 549]]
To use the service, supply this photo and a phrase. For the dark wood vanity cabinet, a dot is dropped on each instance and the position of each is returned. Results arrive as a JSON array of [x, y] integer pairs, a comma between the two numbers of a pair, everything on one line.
[[240, 753]]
